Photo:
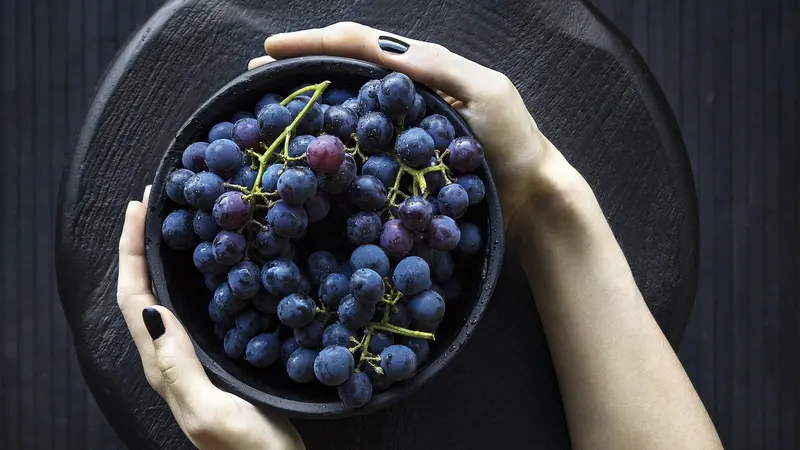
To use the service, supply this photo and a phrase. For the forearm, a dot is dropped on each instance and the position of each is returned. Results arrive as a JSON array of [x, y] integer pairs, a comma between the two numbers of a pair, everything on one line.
[[622, 385]]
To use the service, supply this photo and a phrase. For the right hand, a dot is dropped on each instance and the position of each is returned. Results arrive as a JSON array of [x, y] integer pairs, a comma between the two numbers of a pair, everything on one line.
[[515, 148]]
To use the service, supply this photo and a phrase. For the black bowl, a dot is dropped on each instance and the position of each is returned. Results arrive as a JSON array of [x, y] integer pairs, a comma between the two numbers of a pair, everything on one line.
[[179, 286]]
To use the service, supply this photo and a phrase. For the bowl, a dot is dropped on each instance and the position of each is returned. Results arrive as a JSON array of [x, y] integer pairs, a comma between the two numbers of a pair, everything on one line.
[[179, 286]]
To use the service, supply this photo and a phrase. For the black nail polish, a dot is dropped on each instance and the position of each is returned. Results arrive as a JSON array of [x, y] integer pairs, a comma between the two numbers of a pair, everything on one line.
[[153, 322], [392, 45]]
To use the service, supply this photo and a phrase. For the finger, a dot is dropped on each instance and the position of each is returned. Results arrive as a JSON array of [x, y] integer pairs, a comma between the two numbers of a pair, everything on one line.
[[146, 196], [427, 63], [260, 61]]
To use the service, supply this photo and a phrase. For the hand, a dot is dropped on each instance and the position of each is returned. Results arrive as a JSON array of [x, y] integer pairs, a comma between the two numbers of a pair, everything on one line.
[[516, 150], [210, 417]]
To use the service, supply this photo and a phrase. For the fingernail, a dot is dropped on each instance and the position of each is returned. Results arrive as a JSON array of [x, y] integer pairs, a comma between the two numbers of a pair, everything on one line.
[[392, 45], [153, 322]]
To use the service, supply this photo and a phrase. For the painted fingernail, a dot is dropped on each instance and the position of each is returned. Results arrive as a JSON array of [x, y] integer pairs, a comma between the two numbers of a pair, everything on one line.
[[392, 45], [153, 322]]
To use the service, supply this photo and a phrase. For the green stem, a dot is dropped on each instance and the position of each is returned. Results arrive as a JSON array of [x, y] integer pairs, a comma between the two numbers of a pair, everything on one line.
[[403, 331]]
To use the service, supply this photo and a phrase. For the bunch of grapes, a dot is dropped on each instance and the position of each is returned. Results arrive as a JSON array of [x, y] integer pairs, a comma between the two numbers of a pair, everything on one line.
[[325, 225]]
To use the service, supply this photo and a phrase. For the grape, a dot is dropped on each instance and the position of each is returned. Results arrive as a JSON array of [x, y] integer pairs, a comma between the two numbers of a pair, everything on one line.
[[244, 176], [280, 277], [368, 98], [269, 244], [416, 112], [265, 302], [341, 122], [268, 99], [338, 181], [176, 182], [333, 365], [312, 121], [382, 167], [440, 129], [203, 258], [427, 307], [296, 310], [438, 289], [321, 264], [451, 289], [309, 335], [442, 266], [415, 147], [395, 240], [288, 347], [366, 286], [355, 314], [470, 241], [221, 130], [244, 279], [443, 233], [434, 180], [398, 362], [424, 251], [263, 350], [235, 343], [304, 286], [251, 322], [194, 157], [212, 281], [332, 289], [356, 391], [420, 347], [300, 365], [380, 341], [246, 134], [231, 211], [401, 318], [289, 221], [298, 147], [203, 189], [337, 334], [380, 382], [415, 213], [223, 157], [368, 193], [352, 104], [466, 154], [224, 305], [363, 227], [269, 181], [412, 275], [317, 207], [371, 257], [325, 154], [241, 115], [177, 230], [475, 188], [273, 120], [297, 184], [396, 94], [229, 247], [336, 96], [374, 133], [453, 200]]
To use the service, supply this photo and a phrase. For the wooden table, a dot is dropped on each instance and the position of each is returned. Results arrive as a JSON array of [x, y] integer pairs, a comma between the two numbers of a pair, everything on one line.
[[586, 86]]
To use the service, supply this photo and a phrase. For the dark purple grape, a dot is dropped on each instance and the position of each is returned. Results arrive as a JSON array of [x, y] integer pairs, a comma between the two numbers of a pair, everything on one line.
[[269, 181], [269, 245], [304, 286], [242, 115], [415, 147], [471, 239], [368, 193], [440, 129], [396, 94], [442, 266], [251, 322], [366, 286], [309, 335], [380, 341], [337, 95], [244, 279], [321, 264], [420, 347], [224, 305], [289, 221], [380, 382], [244, 176], [300, 365], [400, 315], [415, 213], [382, 167], [370, 257], [354, 314], [341, 122], [312, 121], [223, 157], [221, 130], [426, 308], [475, 188], [352, 104], [246, 134], [363, 228], [212, 281], [296, 310], [332, 289], [453, 200], [194, 157], [337, 334], [368, 97], [203, 257], [451, 289], [298, 147], [273, 120], [203, 189], [317, 207], [325, 154], [412, 275], [339, 180], [395, 240], [280, 277], [466, 155], [434, 181], [443, 233], [398, 362], [333, 365], [231, 210], [265, 302], [416, 113], [229, 247], [374, 133], [288, 347], [177, 230], [268, 99], [176, 182], [263, 350], [235, 343], [423, 250], [297, 184]]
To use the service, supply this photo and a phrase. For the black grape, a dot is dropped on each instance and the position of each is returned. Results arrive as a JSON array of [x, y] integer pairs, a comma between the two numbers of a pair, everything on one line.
[[244, 176], [246, 134], [354, 314], [300, 365], [203, 189], [453, 200], [176, 182], [474, 186], [269, 181], [412, 275], [415, 147], [297, 184], [333, 365], [263, 350], [416, 112], [317, 207], [443, 234], [194, 157], [440, 129], [420, 347], [368, 97], [321, 264], [337, 96], [356, 391], [242, 115], [177, 230], [280, 277], [470, 241], [415, 213], [370, 257], [368, 193], [267, 100], [235, 343], [244, 279], [309, 335], [272, 120], [366, 286], [298, 146], [395, 240], [231, 211], [269, 245], [223, 157], [221, 130], [374, 133], [339, 180], [288, 347], [379, 382], [363, 227], [289, 221], [398, 362], [466, 155], [337, 334], [340, 122], [396, 94], [312, 121], [252, 322], [296, 310], [380, 341], [382, 167], [229, 247], [204, 260], [427, 307], [333, 288]]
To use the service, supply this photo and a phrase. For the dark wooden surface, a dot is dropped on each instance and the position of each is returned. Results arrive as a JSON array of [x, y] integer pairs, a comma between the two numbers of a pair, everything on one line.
[[729, 71]]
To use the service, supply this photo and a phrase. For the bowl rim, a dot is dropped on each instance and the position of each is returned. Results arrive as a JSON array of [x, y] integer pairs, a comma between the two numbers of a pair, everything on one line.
[[222, 378]]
